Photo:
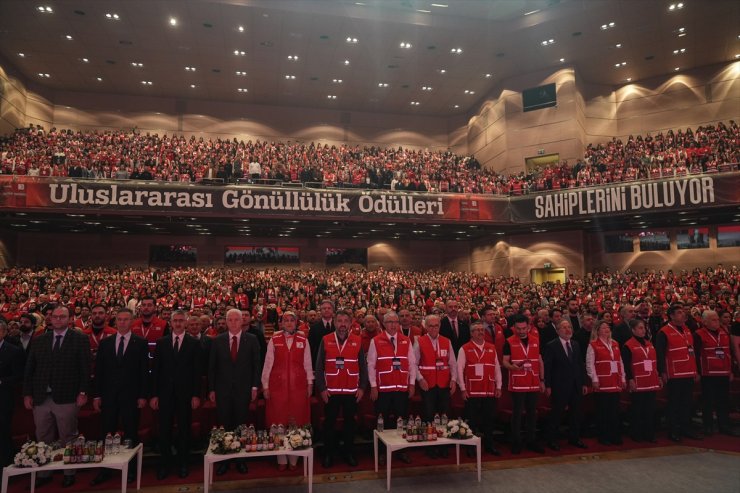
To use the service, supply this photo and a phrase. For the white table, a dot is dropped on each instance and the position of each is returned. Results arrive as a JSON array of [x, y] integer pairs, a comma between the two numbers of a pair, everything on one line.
[[210, 458], [394, 441], [118, 461]]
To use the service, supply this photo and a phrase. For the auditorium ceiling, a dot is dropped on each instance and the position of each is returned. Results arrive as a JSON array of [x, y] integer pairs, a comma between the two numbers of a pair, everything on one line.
[[391, 56]]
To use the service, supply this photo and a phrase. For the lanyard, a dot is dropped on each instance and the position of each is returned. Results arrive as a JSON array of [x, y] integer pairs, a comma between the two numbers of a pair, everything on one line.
[[341, 346], [681, 333]]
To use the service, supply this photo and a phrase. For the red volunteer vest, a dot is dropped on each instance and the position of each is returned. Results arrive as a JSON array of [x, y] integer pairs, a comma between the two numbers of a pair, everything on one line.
[[341, 364], [644, 365], [480, 369], [715, 353], [528, 378], [288, 383], [434, 364], [152, 333], [607, 366], [392, 367], [679, 357]]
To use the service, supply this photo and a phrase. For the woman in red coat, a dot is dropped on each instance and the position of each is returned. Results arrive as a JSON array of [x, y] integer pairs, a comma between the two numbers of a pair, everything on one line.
[[604, 367], [287, 379]]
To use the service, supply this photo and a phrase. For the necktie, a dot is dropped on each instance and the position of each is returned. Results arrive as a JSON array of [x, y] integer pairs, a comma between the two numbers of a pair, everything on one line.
[[177, 344], [57, 344], [569, 350], [233, 348], [119, 354], [328, 326], [393, 342], [454, 325]]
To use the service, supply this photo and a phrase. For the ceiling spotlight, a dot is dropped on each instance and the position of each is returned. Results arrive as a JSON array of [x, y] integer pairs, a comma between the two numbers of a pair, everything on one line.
[[290, 77], [488, 76], [456, 106], [44, 75], [331, 96], [173, 21], [604, 27], [415, 103], [45, 9], [426, 88], [99, 79], [618, 45], [193, 86], [562, 60], [69, 37], [137, 64], [442, 71], [241, 89], [190, 69], [468, 91], [679, 51], [677, 69], [675, 6], [22, 55], [346, 62], [337, 81], [547, 42], [293, 58], [382, 84], [405, 45], [240, 29], [112, 17], [239, 52], [146, 82], [241, 73], [620, 64], [456, 51], [351, 40], [85, 60]]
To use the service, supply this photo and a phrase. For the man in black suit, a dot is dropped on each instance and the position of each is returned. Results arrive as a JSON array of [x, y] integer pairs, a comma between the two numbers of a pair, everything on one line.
[[321, 327], [564, 384], [121, 384], [250, 328], [622, 332], [27, 326], [55, 384], [11, 373], [457, 331], [233, 377], [176, 379]]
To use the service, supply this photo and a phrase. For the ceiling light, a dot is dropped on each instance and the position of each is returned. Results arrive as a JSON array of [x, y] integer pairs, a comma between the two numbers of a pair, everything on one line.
[[382, 84], [415, 103], [628, 79], [675, 6], [620, 64], [85, 60], [293, 58], [44, 9], [351, 40], [405, 45], [173, 21], [456, 51], [618, 45], [442, 71], [456, 106], [146, 82], [346, 62], [547, 42], [190, 69], [290, 77], [44, 75], [468, 91], [241, 73], [426, 88], [562, 60], [241, 89], [113, 17], [239, 52], [681, 29], [424, 11], [531, 12], [331, 96], [604, 27], [682, 35], [22, 55], [69, 37], [440, 5], [677, 69], [240, 29], [488, 76], [193, 86], [679, 51], [99, 79], [137, 64]]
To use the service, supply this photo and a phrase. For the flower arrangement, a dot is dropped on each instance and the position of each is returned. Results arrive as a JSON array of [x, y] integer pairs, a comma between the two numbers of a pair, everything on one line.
[[224, 442], [33, 454], [298, 438], [458, 429]]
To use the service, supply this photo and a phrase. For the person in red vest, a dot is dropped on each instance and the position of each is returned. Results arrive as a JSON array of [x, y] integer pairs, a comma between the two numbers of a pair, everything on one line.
[[287, 380], [480, 383], [391, 368], [341, 380], [712, 345], [521, 356], [97, 330], [677, 365], [643, 382], [407, 328], [148, 325], [369, 331], [604, 367], [437, 376]]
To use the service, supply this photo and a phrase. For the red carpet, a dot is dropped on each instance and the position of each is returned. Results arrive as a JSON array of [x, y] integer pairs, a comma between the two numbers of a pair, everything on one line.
[[263, 468]]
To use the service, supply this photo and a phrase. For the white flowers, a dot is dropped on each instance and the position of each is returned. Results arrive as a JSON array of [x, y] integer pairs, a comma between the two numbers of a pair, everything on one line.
[[298, 438], [458, 429], [33, 454]]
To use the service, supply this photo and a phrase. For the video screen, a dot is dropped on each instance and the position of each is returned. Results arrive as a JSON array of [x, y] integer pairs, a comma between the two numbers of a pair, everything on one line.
[[728, 236], [261, 255], [652, 241], [336, 256], [688, 239], [621, 243], [174, 254]]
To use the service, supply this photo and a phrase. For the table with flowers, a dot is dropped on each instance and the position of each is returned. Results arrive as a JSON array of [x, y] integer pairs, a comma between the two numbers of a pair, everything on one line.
[[238, 444], [37, 456], [456, 433]]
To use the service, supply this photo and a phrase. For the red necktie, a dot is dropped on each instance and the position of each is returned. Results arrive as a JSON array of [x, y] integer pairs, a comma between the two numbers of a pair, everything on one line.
[[234, 348]]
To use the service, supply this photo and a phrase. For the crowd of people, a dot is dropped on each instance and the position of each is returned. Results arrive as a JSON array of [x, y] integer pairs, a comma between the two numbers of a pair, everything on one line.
[[130, 338], [118, 154]]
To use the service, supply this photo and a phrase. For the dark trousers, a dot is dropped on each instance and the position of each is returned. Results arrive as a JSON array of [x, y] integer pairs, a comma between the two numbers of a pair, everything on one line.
[[6, 417], [521, 402], [608, 425], [433, 401], [479, 412], [559, 401], [232, 410], [715, 396], [679, 404], [642, 416], [119, 415], [392, 405], [347, 404], [179, 411]]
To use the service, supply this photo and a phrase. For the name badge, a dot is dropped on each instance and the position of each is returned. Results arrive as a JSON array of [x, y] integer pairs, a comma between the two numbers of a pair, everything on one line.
[[478, 367], [691, 350], [443, 352], [340, 363], [648, 365], [396, 363], [299, 345], [613, 367], [720, 353], [527, 365]]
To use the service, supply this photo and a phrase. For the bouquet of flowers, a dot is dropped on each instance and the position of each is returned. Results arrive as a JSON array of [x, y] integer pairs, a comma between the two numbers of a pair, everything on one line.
[[33, 454], [225, 442], [298, 438], [458, 429]]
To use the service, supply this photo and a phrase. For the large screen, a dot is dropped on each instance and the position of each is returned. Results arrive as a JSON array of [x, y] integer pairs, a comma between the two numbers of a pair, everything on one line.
[[619, 243], [539, 97], [728, 236], [335, 256], [261, 255], [688, 239], [651, 241], [175, 254]]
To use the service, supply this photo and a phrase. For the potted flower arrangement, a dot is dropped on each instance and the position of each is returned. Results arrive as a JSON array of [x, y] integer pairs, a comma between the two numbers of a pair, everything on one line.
[[298, 438], [33, 454], [225, 442], [457, 429]]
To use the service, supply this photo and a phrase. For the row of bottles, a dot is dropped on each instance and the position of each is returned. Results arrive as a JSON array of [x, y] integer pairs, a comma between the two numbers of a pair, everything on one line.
[[439, 422], [81, 451]]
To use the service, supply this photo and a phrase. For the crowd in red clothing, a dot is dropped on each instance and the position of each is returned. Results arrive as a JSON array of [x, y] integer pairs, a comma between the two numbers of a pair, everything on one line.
[[131, 154]]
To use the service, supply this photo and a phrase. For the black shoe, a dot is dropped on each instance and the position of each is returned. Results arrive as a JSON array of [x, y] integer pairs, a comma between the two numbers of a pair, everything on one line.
[[163, 472], [492, 450], [635, 438], [729, 432], [651, 440], [691, 435], [554, 445], [102, 477], [516, 449], [351, 460], [577, 443], [41, 482], [184, 472], [618, 441], [242, 468], [221, 468], [536, 447], [674, 437], [604, 441], [327, 461], [68, 481], [404, 457]]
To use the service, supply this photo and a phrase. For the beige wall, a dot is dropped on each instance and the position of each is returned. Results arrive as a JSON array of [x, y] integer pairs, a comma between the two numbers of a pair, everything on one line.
[[20, 107]]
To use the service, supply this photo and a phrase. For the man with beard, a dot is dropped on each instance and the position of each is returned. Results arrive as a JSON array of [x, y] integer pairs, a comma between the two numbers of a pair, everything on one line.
[[97, 329], [321, 327], [27, 324], [622, 331], [250, 328], [454, 329], [574, 313], [148, 325]]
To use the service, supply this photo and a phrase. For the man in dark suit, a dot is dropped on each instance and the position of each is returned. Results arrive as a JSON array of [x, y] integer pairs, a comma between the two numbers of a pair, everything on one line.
[[121, 384], [55, 384], [622, 332], [176, 379], [27, 326], [457, 331], [564, 384], [547, 331], [250, 328], [321, 327], [11, 373], [233, 377]]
